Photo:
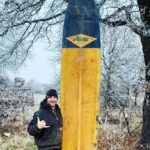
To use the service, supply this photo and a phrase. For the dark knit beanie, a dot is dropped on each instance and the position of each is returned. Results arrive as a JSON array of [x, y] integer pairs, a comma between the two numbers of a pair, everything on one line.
[[51, 92]]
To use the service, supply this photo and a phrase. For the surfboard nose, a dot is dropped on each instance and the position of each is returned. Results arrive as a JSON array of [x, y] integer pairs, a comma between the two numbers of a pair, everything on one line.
[[83, 9], [81, 18]]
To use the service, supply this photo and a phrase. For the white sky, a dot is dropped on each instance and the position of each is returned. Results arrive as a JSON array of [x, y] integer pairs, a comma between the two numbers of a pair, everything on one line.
[[39, 67]]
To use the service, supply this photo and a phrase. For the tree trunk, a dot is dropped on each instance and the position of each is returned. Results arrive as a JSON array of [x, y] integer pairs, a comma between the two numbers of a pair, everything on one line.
[[145, 135], [144, 7]]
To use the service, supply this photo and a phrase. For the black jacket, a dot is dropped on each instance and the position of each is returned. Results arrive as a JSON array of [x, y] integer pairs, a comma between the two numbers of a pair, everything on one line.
[[47, 138]]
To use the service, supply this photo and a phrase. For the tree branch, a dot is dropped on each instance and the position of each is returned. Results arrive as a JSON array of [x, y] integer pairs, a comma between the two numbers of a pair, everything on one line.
[[39, 20], [128, 22]]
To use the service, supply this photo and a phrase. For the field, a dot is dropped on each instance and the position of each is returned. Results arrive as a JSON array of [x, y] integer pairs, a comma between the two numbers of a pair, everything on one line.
[[119, 130]]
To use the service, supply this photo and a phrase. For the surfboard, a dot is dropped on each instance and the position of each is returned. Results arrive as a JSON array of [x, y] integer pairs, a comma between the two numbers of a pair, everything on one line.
[[80, 76]]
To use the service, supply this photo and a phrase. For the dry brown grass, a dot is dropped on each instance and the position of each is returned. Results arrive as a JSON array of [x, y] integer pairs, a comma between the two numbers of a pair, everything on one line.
[[120, 129], [16, 138], [111, 138]]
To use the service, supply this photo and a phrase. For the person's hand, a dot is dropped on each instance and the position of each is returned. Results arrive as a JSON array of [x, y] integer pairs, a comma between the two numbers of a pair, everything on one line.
[[41, 124]]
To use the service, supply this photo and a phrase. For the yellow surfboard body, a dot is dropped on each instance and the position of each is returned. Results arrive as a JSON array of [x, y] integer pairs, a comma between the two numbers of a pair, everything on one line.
[[80, 75], [80, 84]]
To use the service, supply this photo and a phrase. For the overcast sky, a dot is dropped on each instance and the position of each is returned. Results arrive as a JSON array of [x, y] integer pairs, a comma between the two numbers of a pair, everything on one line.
[[39, 67]]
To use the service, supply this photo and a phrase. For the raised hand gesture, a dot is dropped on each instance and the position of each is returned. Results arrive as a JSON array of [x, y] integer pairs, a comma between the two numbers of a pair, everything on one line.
[[41, 124]]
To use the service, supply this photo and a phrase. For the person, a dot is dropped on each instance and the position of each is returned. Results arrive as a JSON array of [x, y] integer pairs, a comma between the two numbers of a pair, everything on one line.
[[46, 125]]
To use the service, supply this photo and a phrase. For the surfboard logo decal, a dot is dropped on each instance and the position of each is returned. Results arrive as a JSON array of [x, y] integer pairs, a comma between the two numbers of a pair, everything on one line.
[[81, 40]]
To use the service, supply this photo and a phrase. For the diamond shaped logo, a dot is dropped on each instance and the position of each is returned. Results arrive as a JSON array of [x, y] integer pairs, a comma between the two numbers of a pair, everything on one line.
[[81, 40]]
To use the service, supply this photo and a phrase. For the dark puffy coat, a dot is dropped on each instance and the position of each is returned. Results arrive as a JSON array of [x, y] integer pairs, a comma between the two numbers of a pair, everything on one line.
[[47, 138]]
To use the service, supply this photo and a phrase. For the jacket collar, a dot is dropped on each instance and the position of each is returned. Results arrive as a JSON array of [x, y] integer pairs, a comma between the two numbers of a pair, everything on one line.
[[45, 106]]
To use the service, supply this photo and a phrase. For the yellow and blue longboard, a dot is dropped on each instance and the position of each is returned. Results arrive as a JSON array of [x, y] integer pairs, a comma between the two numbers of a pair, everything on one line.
[[80, 76]]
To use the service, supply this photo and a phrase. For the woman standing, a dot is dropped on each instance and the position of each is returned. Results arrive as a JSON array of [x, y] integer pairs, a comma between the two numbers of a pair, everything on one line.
[[46, 125]]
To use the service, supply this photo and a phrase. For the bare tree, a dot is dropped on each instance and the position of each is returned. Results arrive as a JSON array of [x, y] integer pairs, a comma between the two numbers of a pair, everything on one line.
[[122, 61], [134, 14], [22, 23]]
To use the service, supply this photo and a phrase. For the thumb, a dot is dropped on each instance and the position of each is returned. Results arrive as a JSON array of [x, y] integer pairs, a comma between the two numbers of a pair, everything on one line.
[[46, 126]]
